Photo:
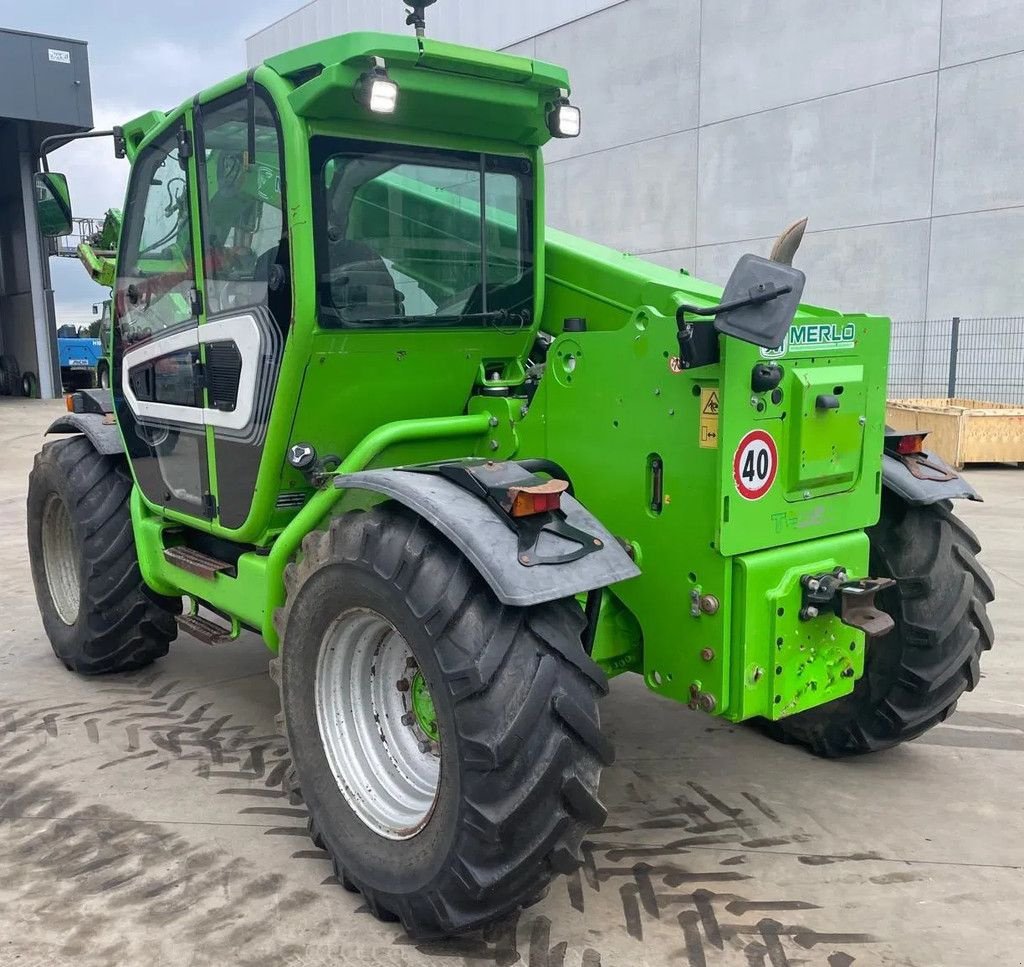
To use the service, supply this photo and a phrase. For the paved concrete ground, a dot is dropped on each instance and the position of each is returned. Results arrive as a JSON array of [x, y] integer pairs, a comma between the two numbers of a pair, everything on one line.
[[142, 820]]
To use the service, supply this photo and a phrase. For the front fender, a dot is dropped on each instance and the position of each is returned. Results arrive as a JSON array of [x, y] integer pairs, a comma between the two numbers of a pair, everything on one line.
[[491, 546], [920, 491], [102, 435]]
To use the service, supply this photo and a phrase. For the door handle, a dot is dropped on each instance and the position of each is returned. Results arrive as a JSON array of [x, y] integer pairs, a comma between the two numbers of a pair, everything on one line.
[[827, 401]]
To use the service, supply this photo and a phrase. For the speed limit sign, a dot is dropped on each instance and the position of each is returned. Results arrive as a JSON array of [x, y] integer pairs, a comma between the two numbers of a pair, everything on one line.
[[755, 464]]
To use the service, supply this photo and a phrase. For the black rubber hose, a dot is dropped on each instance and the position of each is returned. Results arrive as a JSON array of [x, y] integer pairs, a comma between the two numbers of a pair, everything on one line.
[[540, 465], [592, 612]]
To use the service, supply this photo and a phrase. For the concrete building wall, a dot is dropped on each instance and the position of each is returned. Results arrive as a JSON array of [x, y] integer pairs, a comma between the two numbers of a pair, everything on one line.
[[897, 126], [480, 23], [44, 91]]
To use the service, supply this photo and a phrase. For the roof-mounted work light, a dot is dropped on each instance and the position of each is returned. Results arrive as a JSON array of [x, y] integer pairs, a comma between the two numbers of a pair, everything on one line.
[[564, 120], [375, 90]]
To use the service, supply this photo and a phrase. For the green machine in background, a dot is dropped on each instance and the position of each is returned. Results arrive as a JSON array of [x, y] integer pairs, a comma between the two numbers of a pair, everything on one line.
[[458, 469]]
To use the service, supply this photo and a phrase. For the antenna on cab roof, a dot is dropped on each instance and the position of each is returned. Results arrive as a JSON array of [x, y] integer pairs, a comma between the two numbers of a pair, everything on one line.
[[417, 18]]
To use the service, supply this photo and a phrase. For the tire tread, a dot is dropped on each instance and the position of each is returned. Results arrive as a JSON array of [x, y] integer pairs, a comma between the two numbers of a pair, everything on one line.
[[125, 626], [529, 779], [942, 629]]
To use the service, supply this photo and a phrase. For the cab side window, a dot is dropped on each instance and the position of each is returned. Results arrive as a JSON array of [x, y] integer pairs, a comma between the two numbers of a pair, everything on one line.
[[156, 278], [245, 256]]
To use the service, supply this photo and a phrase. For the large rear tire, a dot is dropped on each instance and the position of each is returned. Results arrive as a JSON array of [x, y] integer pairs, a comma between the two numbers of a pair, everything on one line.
[[915, 674], [450, 812], [98, 613]]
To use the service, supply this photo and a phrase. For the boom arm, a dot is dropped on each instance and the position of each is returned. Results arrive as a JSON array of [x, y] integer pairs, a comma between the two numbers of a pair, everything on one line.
[[98, 252]]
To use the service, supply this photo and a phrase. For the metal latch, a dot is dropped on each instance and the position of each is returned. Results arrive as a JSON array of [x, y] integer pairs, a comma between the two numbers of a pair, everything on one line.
[[852, 601]]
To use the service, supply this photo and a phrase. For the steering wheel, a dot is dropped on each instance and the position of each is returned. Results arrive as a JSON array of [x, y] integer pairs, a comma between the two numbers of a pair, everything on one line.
[[459, 299]]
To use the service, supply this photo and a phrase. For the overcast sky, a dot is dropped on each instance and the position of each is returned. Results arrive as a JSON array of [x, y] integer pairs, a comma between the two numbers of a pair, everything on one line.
[[141, 56]]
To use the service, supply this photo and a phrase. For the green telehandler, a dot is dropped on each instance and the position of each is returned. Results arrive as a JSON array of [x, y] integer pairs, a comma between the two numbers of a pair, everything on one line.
[[459, 469]]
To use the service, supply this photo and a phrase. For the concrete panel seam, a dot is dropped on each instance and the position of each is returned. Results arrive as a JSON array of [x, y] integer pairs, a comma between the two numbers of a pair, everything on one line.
[[981, 60], [822, 97], [615, 147], [282, 19], [511, 43], [820, 231], [980, 211], [842, 228], [567, 23]]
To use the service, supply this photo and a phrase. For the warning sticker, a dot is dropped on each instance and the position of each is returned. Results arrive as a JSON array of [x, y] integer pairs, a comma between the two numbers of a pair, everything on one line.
[[755, 464], [709, 418]]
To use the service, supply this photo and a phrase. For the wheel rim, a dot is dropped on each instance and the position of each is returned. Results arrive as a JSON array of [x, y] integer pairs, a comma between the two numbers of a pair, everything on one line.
[[60, 559], [386, 765], [104, 379]]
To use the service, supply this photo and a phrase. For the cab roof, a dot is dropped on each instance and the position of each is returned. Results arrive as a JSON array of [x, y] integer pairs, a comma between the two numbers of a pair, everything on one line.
[[442, 87]]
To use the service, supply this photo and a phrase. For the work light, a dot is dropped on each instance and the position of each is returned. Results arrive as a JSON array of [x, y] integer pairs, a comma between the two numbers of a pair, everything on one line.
[[564, 120], [376, 90]]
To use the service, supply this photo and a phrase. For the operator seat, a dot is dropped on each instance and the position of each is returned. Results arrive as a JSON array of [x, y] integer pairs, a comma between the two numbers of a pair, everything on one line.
[[361, 288]]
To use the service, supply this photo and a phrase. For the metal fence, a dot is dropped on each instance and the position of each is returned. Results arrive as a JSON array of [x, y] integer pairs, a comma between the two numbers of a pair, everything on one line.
[[976, 359]]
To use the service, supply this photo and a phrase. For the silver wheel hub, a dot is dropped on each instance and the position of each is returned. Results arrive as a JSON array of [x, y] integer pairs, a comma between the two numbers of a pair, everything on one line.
[[385, 765], [60, 559]]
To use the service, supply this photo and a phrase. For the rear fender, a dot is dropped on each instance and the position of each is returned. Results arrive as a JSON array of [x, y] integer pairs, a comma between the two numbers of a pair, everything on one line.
[[934, 481], [491, 546]]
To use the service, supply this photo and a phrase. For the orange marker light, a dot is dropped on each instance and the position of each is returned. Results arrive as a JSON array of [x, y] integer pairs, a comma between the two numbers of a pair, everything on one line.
[[911, 443], [526, 501]]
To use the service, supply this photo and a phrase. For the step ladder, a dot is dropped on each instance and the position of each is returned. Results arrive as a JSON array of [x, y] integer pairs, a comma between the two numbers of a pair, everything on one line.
[[208, 632], [198, 563]]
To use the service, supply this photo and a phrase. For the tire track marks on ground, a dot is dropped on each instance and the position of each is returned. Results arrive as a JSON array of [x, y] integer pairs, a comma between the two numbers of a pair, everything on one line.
[[674, 882]]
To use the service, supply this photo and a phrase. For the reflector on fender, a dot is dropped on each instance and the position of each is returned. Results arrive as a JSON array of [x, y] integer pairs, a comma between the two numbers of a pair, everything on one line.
[[526, 501]]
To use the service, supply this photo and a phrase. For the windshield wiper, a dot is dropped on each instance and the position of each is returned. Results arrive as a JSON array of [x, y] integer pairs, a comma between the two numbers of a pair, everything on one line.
[[497, 315]]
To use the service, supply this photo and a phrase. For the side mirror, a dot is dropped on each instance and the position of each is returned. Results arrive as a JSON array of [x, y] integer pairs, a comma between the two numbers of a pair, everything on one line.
[[760, 301], [53, 203]]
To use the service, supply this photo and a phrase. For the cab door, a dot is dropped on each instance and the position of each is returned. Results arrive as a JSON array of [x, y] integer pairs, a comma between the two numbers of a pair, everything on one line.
[[246, 284], [158, 383]]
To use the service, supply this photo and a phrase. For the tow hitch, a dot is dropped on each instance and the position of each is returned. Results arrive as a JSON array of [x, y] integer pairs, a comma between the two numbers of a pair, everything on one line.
[[852, 601]]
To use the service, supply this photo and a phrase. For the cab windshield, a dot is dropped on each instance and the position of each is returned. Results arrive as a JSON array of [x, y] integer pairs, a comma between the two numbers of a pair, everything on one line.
[[421, 237]]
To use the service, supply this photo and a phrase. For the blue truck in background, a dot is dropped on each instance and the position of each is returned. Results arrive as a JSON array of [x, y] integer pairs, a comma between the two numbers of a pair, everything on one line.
[[81, 352], [83, 362], [82, 365]]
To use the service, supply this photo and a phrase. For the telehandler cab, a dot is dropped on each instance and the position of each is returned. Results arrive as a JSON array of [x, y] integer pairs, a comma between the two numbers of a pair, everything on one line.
[[459, 469]]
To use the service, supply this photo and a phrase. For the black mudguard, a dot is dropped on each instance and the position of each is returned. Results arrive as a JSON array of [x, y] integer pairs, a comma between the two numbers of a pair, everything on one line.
[[491, 546], [934, 481], [102, 435]]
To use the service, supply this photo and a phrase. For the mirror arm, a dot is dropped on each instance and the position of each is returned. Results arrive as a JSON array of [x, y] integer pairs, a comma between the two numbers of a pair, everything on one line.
[[759, 302], [695, 351], [769, 292], [55, 141]]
